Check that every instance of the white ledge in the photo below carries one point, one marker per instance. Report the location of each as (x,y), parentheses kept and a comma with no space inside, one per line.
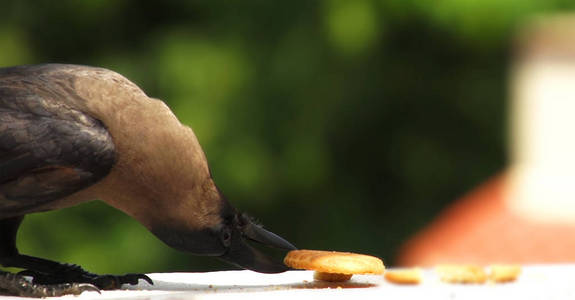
(535,282)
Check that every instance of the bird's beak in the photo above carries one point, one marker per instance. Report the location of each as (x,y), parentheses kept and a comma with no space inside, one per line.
(245,256)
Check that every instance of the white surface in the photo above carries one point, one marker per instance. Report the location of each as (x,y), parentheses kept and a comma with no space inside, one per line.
(535,282)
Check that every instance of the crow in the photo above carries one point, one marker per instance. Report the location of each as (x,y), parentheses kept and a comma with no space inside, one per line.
(71,134)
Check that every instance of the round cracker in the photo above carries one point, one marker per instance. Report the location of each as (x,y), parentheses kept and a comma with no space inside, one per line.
(504,273)
(331,277)
(334,262)
(404,276)
(461,273)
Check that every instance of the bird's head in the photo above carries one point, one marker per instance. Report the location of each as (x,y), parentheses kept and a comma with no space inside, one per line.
(229,239)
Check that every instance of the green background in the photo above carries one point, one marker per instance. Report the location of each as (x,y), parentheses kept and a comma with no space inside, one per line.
(343,125)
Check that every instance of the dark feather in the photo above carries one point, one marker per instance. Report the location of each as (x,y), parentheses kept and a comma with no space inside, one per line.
(48,148)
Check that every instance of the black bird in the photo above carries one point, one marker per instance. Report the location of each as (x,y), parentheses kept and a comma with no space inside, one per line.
(71,134)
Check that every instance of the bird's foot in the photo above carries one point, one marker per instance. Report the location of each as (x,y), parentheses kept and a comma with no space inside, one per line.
(17,285)
(70,274)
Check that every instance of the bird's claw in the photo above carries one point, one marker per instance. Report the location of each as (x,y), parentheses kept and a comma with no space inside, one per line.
(78,275)
(72,289)
(17,285)
(112,282)
(134,278)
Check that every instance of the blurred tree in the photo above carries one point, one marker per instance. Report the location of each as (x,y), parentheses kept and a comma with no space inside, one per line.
(341,125)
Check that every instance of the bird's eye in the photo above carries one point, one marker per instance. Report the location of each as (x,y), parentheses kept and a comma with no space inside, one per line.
(226,236)
(242,220)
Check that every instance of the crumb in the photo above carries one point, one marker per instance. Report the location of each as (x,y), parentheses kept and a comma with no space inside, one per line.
(461,273)
(504,273)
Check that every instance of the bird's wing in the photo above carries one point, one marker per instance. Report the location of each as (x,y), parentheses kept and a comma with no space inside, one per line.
(48,149)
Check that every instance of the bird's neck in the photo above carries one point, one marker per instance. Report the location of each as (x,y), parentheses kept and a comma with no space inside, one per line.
(161,173)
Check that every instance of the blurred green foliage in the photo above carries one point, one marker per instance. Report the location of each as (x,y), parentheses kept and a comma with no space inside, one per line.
(342,125)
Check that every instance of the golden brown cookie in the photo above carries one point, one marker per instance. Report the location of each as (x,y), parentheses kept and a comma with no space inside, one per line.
(334,262)
(461,273)
(333,277)
(504,273)
(404,276)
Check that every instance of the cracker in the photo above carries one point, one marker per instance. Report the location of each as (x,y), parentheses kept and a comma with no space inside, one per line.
(404,276)
(334,262)
(332,277)
(504,273)
(461,273)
